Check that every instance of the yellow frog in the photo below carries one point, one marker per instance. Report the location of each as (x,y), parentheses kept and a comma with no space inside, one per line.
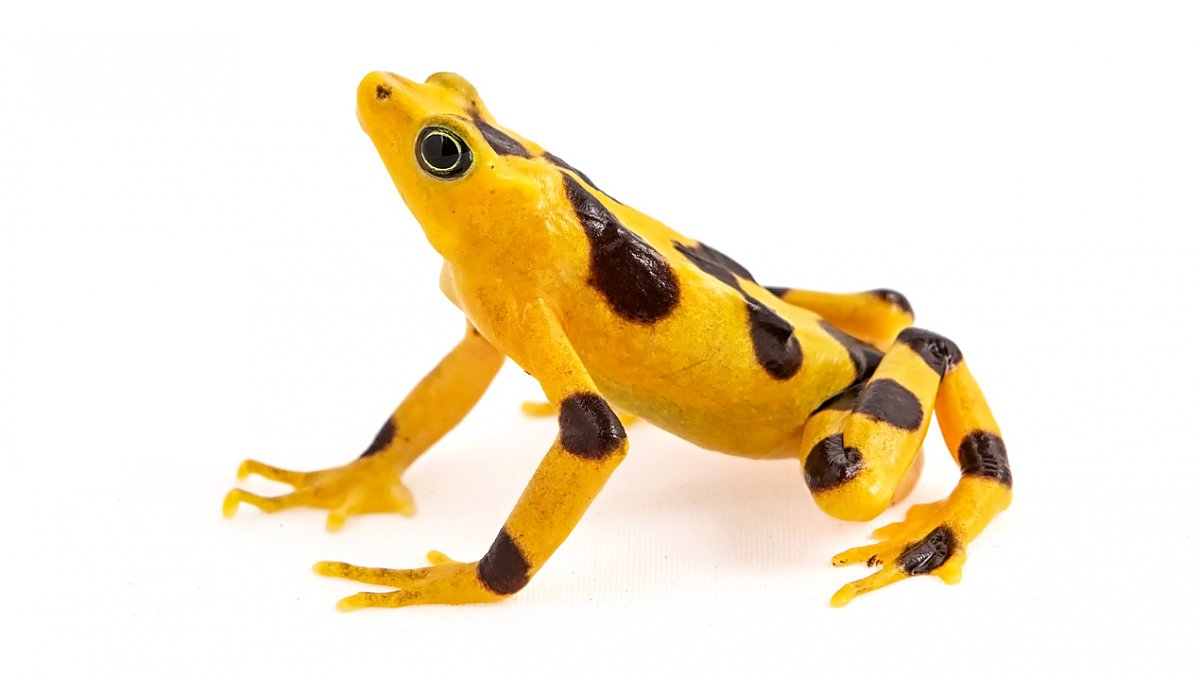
(611,309)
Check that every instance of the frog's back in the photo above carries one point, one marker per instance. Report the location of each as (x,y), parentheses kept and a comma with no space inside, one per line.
(681,334)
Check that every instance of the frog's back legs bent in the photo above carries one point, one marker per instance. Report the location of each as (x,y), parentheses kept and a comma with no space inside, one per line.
(371,483)
(857,451)
(874,316)
(591,443)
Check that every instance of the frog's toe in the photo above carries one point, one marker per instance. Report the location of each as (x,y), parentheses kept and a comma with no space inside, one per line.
(925,543)
(364,486)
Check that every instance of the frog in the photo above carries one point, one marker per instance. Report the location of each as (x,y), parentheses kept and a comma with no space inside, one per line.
(617,315)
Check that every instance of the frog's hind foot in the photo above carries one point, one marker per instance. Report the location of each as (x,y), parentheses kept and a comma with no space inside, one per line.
(923,544)
(860,448)
(367,485)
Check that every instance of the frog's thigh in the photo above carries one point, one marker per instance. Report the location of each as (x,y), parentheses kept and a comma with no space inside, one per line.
(859,451)
(875,316)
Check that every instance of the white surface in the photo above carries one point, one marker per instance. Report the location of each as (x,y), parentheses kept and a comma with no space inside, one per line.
(202,259)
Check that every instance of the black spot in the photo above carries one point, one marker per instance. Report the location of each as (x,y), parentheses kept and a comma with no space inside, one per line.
(830,464)
(843,400)
(634,278)
(588,428)
(501,142)
(864,356)
(503,569)
(894,298)
(778,291)
(382,439)
(888,401)
(929,553)
(383,93)
(562,164)
(938,352)
(775,345)
(983,454)
(714,262)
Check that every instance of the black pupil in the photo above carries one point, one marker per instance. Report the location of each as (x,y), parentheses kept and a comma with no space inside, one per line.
(440,151)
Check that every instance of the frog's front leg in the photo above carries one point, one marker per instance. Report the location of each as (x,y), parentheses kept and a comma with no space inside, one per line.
(859,448)
(591,443)
(371,483)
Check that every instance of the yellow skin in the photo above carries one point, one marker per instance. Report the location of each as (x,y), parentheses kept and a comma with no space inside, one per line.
(610,309)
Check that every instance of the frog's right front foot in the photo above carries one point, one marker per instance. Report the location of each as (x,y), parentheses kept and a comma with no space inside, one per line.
(366,485)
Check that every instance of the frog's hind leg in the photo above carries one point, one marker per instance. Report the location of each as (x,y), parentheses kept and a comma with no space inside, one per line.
(874,316)
(371,483)
(856,459)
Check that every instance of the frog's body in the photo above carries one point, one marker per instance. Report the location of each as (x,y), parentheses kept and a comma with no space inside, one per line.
(603,304)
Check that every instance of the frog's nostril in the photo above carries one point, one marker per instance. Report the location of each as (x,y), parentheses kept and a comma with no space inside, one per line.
(383,92)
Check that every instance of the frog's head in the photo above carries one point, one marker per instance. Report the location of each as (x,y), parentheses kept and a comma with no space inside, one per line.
(462,177)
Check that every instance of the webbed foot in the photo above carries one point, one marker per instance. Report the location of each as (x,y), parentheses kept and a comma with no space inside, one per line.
(446,582)
(926,542)
(367,485)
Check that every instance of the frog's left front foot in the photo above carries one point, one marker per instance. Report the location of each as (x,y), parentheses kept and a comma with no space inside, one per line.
(446,582)
(367,485)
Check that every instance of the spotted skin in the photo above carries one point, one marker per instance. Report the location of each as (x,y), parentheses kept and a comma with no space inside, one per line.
(773,338)
(382,439)
(633,277)
(504,569)
(608,308)
(588,427)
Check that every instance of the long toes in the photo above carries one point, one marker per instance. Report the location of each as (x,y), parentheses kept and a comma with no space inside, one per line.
(251,467)
(882,578)
(440,558)
(872,555)
(267,504)
(536,409)
(888,531)
(375,576)
(376,600)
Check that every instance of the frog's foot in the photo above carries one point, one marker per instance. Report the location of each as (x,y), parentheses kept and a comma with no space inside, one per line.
(446,582)
(926,542)
(541,409)
(367,485)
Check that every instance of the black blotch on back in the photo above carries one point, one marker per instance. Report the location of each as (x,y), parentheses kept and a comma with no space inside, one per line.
(778,291)
(938,352)
(562,164)
(382,439)
(501,142)
(895,298)
(775,345)
(888,401)
(926,555)
(983,454)
(588,428)
(714,262)
(503,569)
(864,356)
(830,463)
(634,278)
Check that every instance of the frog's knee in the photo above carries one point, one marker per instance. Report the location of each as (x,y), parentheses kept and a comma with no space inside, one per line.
(938,352)
(841,483)
(589,428)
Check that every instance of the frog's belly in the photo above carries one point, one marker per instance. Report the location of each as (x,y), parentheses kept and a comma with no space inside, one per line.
(715,400)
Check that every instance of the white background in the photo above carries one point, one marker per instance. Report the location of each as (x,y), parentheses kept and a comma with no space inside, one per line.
(203,259)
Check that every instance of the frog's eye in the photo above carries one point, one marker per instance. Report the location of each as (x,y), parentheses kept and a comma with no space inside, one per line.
(442,152)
